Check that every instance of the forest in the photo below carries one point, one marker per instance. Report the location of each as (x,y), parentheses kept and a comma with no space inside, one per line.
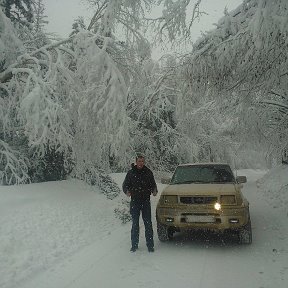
(85,106)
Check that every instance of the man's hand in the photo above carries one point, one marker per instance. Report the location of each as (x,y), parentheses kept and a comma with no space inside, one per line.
(128,194)
(155,191)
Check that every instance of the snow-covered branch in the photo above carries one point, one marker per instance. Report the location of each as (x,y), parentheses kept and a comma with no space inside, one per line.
(241,62)
(13,167)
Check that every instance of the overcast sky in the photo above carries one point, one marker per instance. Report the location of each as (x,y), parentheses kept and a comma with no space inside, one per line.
(62,13)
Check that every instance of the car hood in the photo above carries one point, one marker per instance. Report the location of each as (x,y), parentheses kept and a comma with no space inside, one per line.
(200,189)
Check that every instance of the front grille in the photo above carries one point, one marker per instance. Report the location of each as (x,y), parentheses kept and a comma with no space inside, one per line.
(198,200)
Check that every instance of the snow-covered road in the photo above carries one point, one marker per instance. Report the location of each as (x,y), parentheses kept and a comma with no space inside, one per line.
(187,261)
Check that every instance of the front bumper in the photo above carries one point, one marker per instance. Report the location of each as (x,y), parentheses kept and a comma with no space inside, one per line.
(185,218)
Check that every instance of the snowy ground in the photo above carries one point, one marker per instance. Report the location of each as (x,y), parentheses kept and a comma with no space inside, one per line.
(65,234)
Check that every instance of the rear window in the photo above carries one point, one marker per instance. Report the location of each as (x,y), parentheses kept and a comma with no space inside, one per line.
(203,174)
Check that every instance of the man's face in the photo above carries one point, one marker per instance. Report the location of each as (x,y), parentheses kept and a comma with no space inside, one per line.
(140,163)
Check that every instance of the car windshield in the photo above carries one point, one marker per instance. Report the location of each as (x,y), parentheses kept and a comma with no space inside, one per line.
(202,174)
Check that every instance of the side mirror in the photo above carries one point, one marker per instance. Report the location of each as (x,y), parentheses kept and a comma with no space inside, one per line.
(241,179)
(165,180)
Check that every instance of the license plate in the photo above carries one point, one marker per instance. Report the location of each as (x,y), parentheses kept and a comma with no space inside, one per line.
(200,219)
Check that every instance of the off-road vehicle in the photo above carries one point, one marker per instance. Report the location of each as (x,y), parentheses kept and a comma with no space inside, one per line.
(204,196)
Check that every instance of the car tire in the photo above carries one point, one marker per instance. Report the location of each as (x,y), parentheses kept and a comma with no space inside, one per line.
(164,233)
(245,234)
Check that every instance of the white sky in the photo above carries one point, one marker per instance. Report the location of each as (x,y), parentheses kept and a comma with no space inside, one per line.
(62,13)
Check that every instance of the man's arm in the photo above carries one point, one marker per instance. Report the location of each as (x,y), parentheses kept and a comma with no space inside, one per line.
(126,185)
(154,185)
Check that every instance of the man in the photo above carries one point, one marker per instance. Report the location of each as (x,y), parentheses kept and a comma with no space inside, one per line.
(139,184)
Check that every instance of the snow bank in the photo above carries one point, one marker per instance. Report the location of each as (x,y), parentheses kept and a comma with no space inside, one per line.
(43,223)
(274,186)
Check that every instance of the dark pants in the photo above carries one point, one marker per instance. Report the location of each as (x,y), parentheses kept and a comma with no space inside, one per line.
(136,206)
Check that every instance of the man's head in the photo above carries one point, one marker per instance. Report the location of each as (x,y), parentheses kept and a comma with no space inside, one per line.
(140,161)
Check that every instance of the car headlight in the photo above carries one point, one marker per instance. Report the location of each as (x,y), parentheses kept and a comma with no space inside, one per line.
(217,206)
(171,199)
(227,199)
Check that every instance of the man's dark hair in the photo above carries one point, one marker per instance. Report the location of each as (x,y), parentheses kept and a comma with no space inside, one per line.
(139,157)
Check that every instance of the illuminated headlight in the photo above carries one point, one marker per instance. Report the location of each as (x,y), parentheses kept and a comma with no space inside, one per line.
(169,219)
(171,199)
(217,206)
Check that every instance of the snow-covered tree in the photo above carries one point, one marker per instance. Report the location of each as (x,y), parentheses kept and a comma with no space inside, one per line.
(131,18)
(243,63)
(38,36)
(101,130)
(70,97)
(152,94)
(78,25)
(10,45)
(19,11)
(151,107)
(47,94)
(13,167)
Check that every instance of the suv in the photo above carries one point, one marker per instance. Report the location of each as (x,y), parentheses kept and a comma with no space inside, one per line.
(203,196)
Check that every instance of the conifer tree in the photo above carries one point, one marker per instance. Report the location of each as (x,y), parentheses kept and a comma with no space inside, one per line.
(20,11)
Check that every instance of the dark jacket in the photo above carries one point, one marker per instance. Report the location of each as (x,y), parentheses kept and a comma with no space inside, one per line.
(139,182)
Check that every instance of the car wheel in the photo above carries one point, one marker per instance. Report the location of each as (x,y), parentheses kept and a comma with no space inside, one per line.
(164,233)
(245,234)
